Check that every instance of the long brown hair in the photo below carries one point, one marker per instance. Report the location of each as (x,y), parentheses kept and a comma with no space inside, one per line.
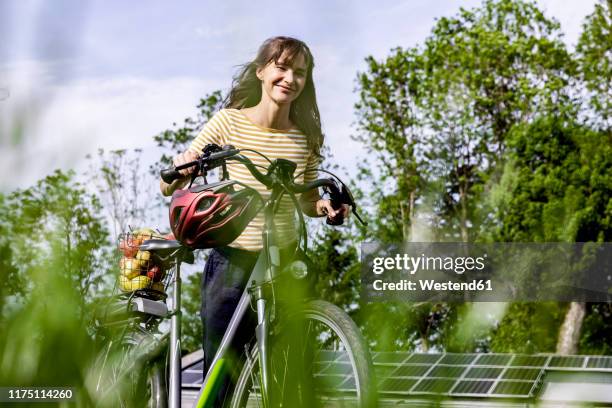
(304,112)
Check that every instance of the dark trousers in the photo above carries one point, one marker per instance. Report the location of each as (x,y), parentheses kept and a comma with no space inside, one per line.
(226,275)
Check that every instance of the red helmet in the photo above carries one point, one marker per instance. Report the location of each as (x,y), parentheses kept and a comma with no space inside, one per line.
(212,215)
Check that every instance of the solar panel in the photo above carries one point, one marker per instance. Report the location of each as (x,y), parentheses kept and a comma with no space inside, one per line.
(384,370)
(396,385)
(513,388)
(567,361)
(484,372)
(447,371)
(473,387)
(423,358)
(410,371)
(424,375)
(458,359)
(389,357)
(528,361)
(494,359)
(599,362)
(522,373)
(434,385)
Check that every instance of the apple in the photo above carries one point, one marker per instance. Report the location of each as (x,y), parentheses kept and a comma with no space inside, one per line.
(143,255)
(140,282)
(124,283)
(130,267)
(155,273)
(127,247)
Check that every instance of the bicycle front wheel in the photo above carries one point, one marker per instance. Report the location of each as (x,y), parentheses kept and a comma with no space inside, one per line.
(324,361)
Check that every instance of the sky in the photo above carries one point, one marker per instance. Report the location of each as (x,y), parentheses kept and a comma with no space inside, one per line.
(76,76)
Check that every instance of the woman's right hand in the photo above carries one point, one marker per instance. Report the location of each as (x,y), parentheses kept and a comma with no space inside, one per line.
(183,158)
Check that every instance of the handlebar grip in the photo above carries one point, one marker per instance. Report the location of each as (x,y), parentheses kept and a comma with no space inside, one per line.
(335,198)
(169,175)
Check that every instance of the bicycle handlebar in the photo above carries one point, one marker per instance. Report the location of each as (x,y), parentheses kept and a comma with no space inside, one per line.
(210,160)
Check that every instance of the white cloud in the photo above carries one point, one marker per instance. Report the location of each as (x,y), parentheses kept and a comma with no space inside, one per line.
(570,14)
(66,121)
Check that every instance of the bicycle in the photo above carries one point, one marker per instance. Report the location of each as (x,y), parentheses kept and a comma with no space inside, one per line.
(278,369)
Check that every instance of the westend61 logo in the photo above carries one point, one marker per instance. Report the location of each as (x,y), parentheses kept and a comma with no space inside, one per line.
(487,272)
(413,264)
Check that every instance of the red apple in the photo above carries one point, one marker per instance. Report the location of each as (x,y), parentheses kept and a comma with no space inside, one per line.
(155,273)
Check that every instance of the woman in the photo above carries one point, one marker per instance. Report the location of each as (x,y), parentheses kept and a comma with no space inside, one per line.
(271,108)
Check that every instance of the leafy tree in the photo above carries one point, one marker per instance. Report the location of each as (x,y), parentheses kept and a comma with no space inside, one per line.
(561,192)
(594,52)
(53,256)
(437,117)
(56,216)
(389,125)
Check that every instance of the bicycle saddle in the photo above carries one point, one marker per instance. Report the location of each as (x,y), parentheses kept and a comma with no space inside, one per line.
(167,248)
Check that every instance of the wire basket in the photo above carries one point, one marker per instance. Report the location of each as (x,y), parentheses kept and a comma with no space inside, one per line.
(140,270)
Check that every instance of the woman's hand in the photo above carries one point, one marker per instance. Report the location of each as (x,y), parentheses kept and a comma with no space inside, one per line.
(324,207)
(183,158)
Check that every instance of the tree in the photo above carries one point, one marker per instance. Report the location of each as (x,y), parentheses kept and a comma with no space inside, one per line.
(561,193)
(54,254)
(594,55)
(389,126)
(436,117)
(56,216)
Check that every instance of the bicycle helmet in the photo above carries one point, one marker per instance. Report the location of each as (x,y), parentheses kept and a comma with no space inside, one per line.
(212,215)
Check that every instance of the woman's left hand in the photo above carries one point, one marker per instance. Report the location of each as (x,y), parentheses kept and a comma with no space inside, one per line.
(324,207)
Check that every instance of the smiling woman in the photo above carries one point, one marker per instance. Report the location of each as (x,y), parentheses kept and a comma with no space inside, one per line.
(271,108)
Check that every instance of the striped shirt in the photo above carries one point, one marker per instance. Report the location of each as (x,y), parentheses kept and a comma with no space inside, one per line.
(231,126)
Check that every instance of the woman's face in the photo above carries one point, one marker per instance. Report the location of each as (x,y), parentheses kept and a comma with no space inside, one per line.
(283,80)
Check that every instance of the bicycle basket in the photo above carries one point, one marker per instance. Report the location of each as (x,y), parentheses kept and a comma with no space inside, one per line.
(138,270)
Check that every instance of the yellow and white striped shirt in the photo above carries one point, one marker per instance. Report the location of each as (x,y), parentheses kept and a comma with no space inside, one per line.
(231,126)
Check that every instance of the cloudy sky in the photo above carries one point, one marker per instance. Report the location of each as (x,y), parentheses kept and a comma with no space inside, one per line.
(76,76)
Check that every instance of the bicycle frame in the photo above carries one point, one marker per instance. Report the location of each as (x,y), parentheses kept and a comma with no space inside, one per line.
(266,268)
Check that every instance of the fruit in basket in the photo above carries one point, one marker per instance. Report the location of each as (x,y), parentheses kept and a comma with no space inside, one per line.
(128,248)
(129,285)
(143,255)
(158,286)
(130,267)
(140,282)
(155,273)
(143,234)
(125,283)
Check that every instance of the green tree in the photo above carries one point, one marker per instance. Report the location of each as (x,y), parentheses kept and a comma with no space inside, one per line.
(560,193)
(54,253)
(436,118)
(594,52)
(56,216)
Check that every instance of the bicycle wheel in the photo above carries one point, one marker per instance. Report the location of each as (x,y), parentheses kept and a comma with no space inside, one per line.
(325,361)
(131,373)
